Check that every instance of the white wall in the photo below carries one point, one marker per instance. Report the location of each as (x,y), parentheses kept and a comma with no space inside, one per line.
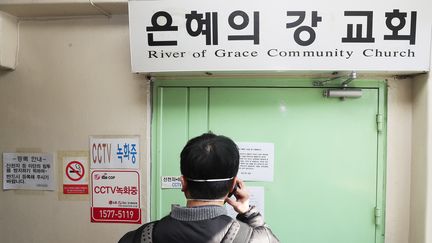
(421,170)
(428,183)
(399,130)
(8,40)
(73,80)
(419,167)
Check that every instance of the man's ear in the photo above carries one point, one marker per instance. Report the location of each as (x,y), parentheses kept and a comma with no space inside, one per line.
(235,181)
(184,183)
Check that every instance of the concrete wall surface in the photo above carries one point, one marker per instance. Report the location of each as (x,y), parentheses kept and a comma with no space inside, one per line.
(73,81)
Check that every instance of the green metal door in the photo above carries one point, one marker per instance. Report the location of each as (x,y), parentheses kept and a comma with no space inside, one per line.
(328,164)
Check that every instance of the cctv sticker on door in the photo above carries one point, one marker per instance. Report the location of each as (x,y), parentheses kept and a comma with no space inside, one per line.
(115,196)
(170,182)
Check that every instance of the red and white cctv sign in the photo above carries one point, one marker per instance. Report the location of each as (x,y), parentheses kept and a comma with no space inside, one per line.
(116,196)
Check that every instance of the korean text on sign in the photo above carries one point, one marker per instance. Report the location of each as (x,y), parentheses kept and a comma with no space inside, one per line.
(207,24)
(115,196)
(31,171)
(114,152)
(246,36)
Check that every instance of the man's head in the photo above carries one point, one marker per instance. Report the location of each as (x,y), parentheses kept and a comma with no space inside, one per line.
(209,157)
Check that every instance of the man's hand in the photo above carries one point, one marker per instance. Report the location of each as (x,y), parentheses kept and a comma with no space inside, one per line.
(241,204)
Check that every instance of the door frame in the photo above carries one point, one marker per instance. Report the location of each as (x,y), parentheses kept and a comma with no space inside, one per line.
(275,82)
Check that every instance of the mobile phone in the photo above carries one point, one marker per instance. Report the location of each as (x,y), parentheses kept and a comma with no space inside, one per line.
(234,190)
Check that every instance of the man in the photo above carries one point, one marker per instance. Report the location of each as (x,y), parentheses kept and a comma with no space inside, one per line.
(209,166)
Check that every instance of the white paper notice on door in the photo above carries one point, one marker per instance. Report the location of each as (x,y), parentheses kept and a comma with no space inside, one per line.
(256,199)
(256,161)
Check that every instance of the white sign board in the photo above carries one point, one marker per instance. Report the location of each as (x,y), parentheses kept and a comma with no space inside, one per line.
(30,171)
(171,182)
(114,152)
(206,35)
(256,161)
(116,196)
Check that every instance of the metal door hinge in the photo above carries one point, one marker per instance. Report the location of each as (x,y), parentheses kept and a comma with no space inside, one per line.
(378,215)
(380,122)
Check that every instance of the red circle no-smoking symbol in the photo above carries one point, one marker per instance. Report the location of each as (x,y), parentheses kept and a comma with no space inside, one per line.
(75,170)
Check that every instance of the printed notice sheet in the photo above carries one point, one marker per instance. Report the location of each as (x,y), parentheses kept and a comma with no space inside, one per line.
(30,171)
(256,161)
(256,199)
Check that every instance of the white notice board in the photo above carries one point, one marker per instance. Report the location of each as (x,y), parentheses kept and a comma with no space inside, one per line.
(256,161)
(30,171)
(116,196)
(248,35)
(114,152)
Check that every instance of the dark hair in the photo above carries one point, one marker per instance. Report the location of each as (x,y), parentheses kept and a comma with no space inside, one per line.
(205,157)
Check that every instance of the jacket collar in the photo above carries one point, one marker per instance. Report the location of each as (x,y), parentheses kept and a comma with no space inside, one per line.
(197,213)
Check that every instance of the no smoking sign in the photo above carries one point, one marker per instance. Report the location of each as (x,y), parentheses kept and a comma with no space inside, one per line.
(75,178)
(75,170)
